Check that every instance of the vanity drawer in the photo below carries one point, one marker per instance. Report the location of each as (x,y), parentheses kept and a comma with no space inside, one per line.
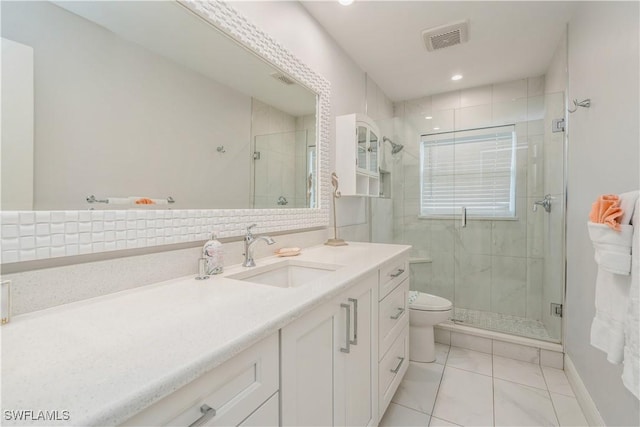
(392,273)
(234,390)
(394,315)
(392,369)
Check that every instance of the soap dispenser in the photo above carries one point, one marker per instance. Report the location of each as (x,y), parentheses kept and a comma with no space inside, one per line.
(213,253)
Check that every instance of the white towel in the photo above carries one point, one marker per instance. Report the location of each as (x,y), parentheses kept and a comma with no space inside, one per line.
(628,203)
(631,371)
(613,255)
(612,248)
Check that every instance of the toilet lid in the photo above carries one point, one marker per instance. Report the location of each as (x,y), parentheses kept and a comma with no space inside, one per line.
(428,302)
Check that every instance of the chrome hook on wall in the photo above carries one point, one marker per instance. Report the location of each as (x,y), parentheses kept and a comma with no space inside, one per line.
(585,103)
(220,149)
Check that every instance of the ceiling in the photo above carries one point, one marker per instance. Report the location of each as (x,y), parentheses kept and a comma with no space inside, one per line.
(507,41)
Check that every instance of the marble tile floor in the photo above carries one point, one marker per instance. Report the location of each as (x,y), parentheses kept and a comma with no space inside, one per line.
(502,323)
(468,388)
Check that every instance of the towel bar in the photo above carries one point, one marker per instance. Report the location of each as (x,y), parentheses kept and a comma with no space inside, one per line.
(93,199)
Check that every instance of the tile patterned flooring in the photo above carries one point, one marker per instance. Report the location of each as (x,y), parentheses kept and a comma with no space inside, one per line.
(502,323)
(468,388)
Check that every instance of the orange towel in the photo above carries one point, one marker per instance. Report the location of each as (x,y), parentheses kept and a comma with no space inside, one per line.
(606,210)
(145,201)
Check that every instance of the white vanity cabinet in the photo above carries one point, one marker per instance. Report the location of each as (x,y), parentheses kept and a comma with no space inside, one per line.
(241,392)
(358,143)
(329,361)
(393,329)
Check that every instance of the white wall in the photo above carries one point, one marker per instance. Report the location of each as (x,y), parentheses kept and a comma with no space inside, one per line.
(603,158)
(110,114)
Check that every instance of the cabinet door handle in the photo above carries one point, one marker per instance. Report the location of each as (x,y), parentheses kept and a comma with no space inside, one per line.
(347,349)
(207,413)
(398,314)
(397,273)
(395,371)
(355,321)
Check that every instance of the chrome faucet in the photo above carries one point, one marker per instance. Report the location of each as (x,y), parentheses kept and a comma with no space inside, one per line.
(249,240)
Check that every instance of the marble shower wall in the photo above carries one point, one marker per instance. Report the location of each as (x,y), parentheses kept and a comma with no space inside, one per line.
(490,265)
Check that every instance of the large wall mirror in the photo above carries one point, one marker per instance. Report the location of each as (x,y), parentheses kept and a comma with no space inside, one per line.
(115,110)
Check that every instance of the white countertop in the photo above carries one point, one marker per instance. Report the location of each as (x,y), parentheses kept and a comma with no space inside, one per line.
(107,358)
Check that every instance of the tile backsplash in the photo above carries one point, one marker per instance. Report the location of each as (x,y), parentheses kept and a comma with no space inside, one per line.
(29,235)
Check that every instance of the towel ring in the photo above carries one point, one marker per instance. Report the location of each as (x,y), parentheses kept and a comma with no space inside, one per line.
(585,103)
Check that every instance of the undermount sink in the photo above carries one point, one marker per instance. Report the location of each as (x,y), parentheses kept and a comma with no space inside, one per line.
(286,274)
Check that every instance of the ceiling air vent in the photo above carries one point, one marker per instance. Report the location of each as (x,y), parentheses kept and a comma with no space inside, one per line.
(446,35)
(283,78)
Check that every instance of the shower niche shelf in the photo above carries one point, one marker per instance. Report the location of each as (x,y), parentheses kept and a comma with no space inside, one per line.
(358,155)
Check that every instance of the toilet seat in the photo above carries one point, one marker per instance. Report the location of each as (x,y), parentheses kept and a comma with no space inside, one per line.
(427,302)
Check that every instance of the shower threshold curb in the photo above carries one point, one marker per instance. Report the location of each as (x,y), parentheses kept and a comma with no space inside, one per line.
(500,336)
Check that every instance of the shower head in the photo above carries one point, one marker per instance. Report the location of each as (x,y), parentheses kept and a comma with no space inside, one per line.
(395,148)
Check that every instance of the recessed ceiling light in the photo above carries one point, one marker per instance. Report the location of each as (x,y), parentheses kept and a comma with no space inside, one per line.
(428,117)
(456,77)
(345,2)
(436,128)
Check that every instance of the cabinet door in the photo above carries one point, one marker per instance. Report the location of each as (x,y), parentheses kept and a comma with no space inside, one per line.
(360,375)
(268,415)
(362,147)
(308,347)
(374,144)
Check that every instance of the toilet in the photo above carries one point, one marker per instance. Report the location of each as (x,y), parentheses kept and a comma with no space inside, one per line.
(425,311)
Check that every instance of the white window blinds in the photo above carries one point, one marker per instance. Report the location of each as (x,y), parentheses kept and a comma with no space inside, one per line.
(474,169)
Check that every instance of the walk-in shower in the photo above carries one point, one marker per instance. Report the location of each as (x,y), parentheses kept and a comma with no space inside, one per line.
(463,192)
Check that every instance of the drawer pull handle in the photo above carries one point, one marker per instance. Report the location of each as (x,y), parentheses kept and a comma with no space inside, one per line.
(355,321)
(398,314)
(347,349)
(395,371)
(397,273)
(207,413)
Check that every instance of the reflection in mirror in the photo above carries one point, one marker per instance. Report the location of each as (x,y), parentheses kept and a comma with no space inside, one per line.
(130,101)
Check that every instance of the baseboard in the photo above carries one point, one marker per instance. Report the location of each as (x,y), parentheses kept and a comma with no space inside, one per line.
(582,394)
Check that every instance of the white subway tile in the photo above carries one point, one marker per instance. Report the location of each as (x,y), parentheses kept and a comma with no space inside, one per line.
(43,229)
(27,230)
(43,253)
(9,231)
(10,218)
(58,251)
(28,242)
(9,256)
(27,218)
(27,254)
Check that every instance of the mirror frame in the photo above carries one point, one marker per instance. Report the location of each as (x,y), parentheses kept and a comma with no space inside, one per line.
(38,235)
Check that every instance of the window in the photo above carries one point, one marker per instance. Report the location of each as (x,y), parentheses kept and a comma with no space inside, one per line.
(474,169)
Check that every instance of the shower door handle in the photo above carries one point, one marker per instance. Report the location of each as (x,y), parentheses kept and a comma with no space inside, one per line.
(463,216)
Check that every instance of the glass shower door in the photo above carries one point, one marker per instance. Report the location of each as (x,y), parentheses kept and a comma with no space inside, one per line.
(504,277)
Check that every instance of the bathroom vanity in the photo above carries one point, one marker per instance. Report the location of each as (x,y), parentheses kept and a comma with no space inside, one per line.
(232,350)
